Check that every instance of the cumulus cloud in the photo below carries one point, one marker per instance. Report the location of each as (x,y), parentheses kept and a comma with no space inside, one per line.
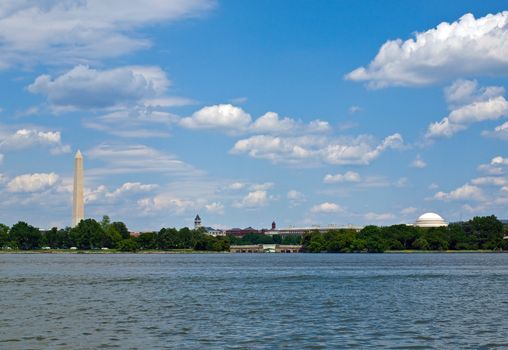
(165,202)
(349,176)
(74,31)
(253,199)
(499,161)
(215,208)
(469,104)
(225,116)
(490,181)
(26,138)
(450,50)
(326,208)
(499,132)
(295,198)
(85,88)
(418,162)
(32,182)
(316,149)
(466,192)
(234,120)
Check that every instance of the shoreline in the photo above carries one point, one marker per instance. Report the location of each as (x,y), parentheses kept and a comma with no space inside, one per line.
(191,251)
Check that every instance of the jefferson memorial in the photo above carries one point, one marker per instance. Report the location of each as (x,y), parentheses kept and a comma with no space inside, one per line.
(430,220)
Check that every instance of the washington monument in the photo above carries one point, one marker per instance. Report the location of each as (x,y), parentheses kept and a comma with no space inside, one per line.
(78,206)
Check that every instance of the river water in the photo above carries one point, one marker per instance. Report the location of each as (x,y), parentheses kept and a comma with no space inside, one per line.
(253,301)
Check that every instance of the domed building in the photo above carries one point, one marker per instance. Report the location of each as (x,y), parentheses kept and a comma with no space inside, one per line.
(430,220)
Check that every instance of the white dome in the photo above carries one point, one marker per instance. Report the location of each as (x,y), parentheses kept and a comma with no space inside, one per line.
(430,220)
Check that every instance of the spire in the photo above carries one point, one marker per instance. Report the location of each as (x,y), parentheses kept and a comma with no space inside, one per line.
(78,154)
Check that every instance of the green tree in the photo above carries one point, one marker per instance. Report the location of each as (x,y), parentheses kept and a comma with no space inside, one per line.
(88,234)
(105,222)
(128,245)
(122,229)
(4,235)
(25,236)
(421,244)
(147,240)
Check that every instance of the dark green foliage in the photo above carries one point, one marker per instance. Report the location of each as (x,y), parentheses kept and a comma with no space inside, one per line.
(88,234)
(25,236)
(128,245)
(171,238)
(4,235)
(147,240)
(257,238)
(479,233)
(122,229)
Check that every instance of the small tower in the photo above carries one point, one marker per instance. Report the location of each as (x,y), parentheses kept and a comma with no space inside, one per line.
(274,226)
(197,222)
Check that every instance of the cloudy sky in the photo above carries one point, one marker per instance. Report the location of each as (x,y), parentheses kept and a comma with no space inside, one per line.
(245,112)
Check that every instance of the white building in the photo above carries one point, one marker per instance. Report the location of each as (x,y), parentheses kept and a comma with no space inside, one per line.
(430,220)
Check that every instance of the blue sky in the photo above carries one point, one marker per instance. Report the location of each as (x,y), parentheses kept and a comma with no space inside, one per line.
(302,112)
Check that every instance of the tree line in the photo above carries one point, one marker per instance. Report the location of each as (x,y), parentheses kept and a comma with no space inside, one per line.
(479,233)
(91,234)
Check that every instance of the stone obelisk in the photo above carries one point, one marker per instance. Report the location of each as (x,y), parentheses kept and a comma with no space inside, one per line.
(78,205)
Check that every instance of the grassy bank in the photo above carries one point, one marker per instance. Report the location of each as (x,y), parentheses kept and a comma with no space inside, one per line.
(109,251)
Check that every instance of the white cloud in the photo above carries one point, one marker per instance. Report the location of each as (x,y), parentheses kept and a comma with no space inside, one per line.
(131,187)
(326,208)
(236,186)
(355,109)
(85,88)
(137,122)
(316,149)
(253,199)
(378,216)
(466,192)
(408,210)
(120,158)
(225,117)
(499,161)
(32,182)
(418,162)
(349,176)
(1,158)
(215,208)
(165,202)
(295,198)
(26,138)
(499,132)
(73,31)
(233,120)
(261,187)
(490,181)
(469,104)
(465,47)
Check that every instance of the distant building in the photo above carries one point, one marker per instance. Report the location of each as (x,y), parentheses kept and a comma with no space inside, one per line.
(214,232)
(265,248)
(300,231)
(238,232)
(197,222)
(430,220)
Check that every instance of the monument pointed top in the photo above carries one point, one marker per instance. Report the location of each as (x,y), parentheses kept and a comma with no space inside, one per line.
(78,154)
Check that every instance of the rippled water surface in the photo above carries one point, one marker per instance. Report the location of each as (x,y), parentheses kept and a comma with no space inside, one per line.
(254,301)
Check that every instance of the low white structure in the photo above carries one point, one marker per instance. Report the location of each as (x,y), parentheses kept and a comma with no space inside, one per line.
(430,220)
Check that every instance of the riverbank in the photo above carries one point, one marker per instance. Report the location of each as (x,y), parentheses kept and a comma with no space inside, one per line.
(108,251)
(192,251)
